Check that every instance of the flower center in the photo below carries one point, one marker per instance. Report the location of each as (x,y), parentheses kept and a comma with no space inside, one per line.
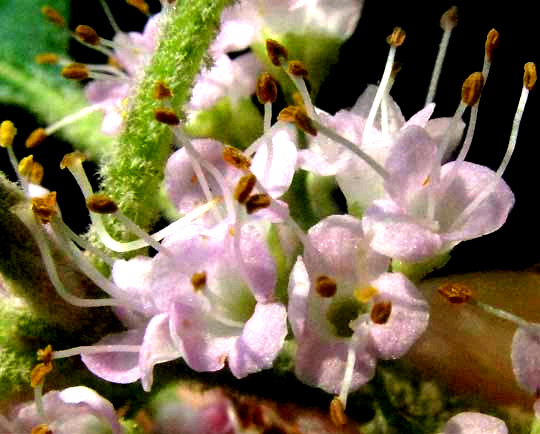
(340,314)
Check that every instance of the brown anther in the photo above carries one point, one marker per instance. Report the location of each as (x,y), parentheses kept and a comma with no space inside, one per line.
(276,52)
(53,16)
(266,89)
(492,43)
(113,61)
(449,19)
(87,34)
(397,37)
(35,138)
(31,170)
(234,157)
(337,412)
(472,88)
(101,204)
(166,116)
(257,202)
(75,71)
(71,159)
(396,67)
(161,91)
(297,68)
(455,293)
(46,59)
(198,280)
(529,77)
(244,187)
(44,207)
(41,429)
(7,133)
(380,312)
(141,5)
(45,355)
(297,116)
(39,372)
(325,286)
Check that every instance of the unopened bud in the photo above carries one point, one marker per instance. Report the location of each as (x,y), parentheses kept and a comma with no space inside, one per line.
(297,68)
(337,412)
(257,202)
(299,117)
(397,37)
(455,293)
(44,207)
(161,91)
(7,133)
(35,138)
(492,43)
(53,16)
(101,204)
(325,286)
(449,19)
(380,312)
(166,116)
(234,157)
(276,52)
(472,88)
(244,187)
(87,34)
(46,59)
(529,77)
(266,88)
(75,71)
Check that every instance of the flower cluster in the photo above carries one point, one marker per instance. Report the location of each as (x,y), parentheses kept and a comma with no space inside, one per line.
(236,276)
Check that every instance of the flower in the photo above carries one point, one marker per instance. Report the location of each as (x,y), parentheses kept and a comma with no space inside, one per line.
(474,423)
(70,411)
(346,311)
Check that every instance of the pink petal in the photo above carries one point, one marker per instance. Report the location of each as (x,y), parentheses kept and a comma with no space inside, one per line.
(526,358)
(475,423)
(299,285)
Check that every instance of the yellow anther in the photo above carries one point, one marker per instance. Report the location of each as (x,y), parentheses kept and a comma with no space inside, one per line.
(325,286)
(39,372)
(380,312)
(166,116)
(449,19)
(365,294)
(161,91)
(397,37)
(35,138)
(472,88)
(492,43)
(41,429)
(71,159)
(198,280)
(529,77)
(266,89)
(31,170)
(244,187)
(297,68)
(45,355)
(75,71)
(337,412)
(456,293)
(46,59)
(87,34)
(276,52)
(257,202)
(7,133)
(44,207)
(297,116)
(141,5)
(101,204)
(234,157)
(53,16)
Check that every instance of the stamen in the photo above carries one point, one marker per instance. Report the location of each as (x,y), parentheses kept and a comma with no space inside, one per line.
(472,89)
(337,412)
(244,187)
(347,376)
(39,372)
(492,43)
(41,429)
(236,158)
(75,71)
(110,17)
(380,312)
(257,202)
(141,5)
(45,355)
(44,208)
(101,204)
(297,68)
(325,286)
(7,134)
(365,294)
(166,116)
(31,170)
(46,59)
(266,89)
(297,116)
(276,52)
(161,91)
(87,34)
(449,21)
(53,16)
(74,117)
(35,138)
(456,293)
(96,349)
(198,280)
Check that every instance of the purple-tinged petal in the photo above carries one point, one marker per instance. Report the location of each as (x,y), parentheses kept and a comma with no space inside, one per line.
(439,131)
(526,358)
(421,118)
(117,367)
(157,347)
(261,340)
(299,285)
(408,319)
(134,278)
(395,234)
(475,423)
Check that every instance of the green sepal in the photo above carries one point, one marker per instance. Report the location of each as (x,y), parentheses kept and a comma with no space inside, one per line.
(416,271)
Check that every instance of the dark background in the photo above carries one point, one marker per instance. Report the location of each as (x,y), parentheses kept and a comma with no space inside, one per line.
(361,62)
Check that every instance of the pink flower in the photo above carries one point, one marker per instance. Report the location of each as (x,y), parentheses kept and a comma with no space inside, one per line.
(474,423)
